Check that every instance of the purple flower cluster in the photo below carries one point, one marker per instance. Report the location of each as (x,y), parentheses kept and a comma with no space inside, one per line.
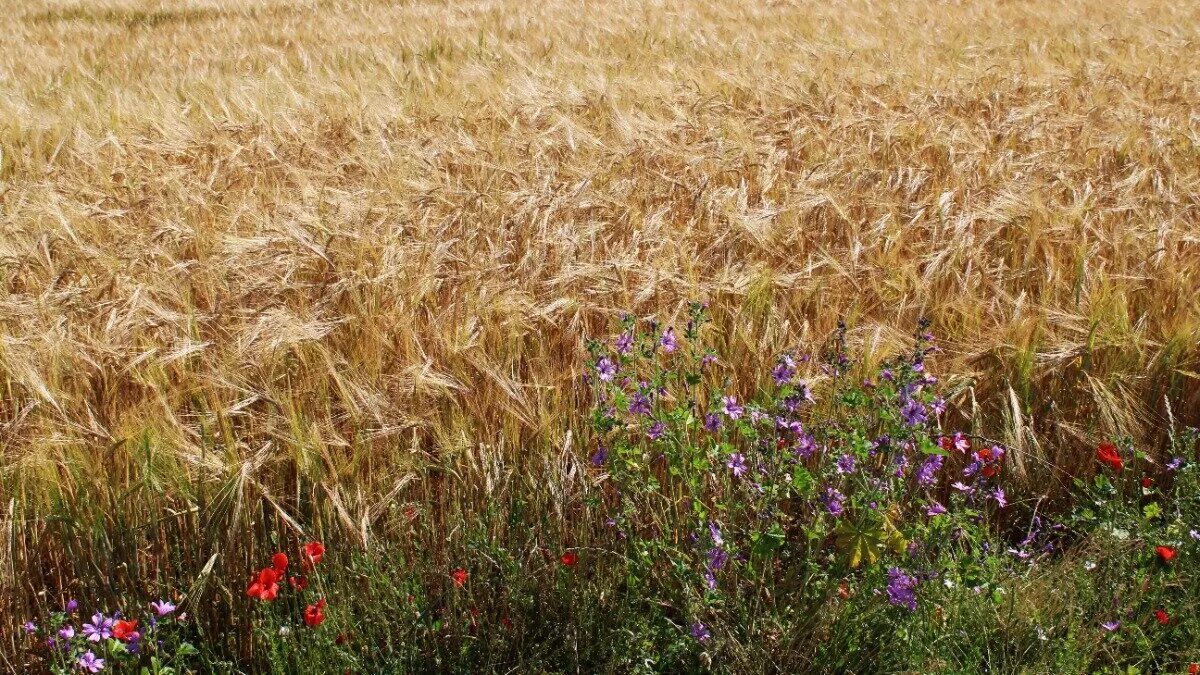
(640,405)
(902,589)
(784,370)
(834,502)
(806,446)
(846,464)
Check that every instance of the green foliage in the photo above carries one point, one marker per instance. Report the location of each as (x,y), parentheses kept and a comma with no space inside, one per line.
(819,520)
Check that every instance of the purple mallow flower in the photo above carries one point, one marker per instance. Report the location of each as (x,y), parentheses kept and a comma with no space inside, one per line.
(806,445)
(655,431)
(914,413)
(640,404)
(845,464)
(998,495)
(833,502)
(606,369)
(935,509)
(927,473)
(715,533)
(700,632)
(1175,464)
(939,405)
(30,627)
(99,629)
(668,341)
(731,408)
(784,371)
(624,343)
(961,442)
(737,463)
(712,423)
(72,605)
(66,632)
(599,456)
(162,607)
(91,663)
(789,425)
(1110,626)
(901,589)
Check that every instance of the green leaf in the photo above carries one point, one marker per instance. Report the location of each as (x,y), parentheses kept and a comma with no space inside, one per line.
(766,543)
(928,447)
(859,543)
(802,481)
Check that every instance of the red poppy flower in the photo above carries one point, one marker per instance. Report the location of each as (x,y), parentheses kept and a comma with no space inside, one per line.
(299,583)
(1146,482)
(265,586)
(1162,617)
(1194,669)
(314,550)
(1107,453)
(984,455)
(314,615)
(946,443)
(1166,553)
(569,558)
(990,470)
(460,577)
(279,562)
(342,639)
(124,630)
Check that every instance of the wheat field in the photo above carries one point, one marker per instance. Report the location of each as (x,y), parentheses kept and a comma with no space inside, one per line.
(247,243)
